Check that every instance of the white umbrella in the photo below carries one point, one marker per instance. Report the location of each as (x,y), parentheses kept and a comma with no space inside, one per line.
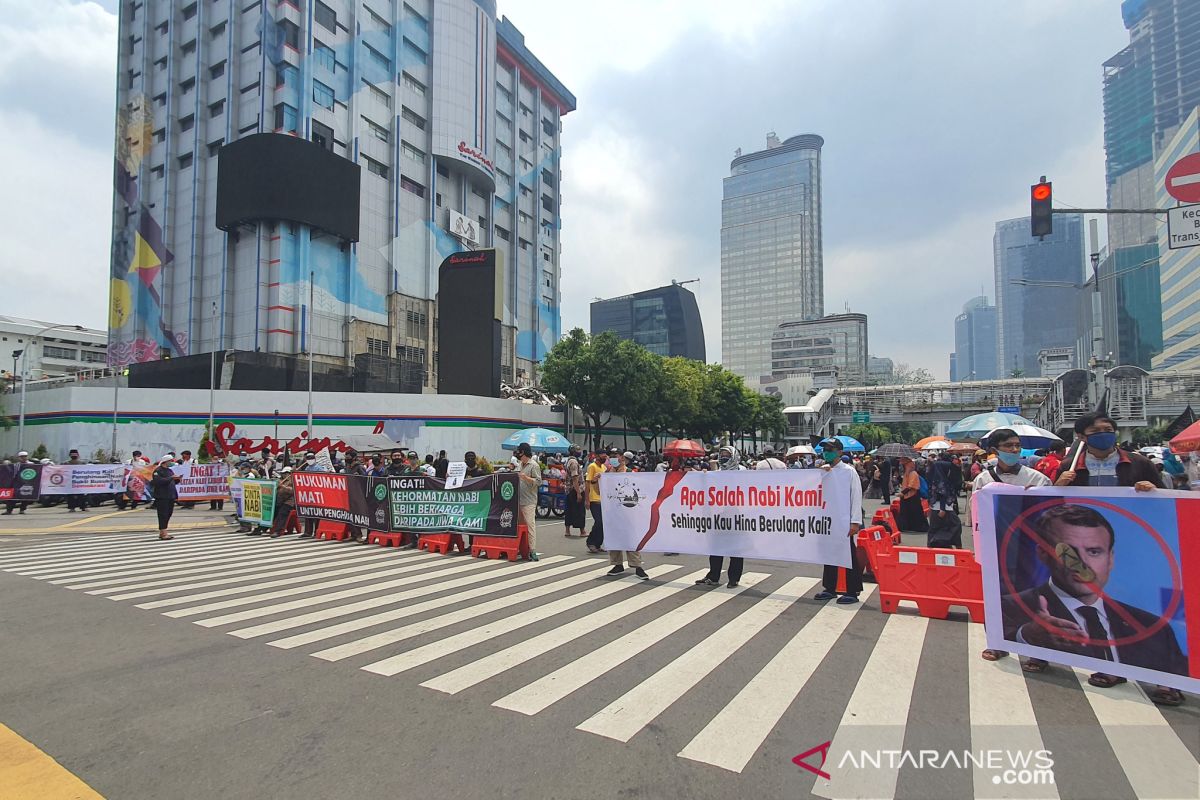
(936,447)
(1032,437)
(801,450)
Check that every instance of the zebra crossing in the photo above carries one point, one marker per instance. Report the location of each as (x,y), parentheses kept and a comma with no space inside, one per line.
(457,624)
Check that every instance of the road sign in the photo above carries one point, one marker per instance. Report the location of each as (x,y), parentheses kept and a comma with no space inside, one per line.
(860,417)
(1183,179)
(1009,410)
(1183,227)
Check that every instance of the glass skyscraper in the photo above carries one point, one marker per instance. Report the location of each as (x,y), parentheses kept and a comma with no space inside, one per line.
(665,320)
(1037,290)
(837,342)
(974,356)
(771,267)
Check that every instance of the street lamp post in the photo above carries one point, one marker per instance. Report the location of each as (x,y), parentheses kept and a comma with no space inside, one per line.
(212,371)
(16,354)
(25,376)
(309,345)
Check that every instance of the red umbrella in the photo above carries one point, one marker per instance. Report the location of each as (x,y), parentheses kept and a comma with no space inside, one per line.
(684,448)
(1188,441)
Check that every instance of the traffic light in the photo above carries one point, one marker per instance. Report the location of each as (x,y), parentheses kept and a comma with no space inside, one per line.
(1041,198)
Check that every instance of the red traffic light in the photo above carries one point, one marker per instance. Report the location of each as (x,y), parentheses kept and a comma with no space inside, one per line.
(1041,191)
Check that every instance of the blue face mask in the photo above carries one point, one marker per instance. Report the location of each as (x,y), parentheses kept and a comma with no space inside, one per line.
(1008,459)
(1102,441)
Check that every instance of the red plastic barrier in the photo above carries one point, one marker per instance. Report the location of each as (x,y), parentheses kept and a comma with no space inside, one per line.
(443,543)
(884,516)
(385,539)
(508,547)
(934,578)
(327,529)
(871,541)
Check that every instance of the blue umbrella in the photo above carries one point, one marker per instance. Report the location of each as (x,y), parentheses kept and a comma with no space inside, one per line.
(977,426)
(542,440)
(849,445)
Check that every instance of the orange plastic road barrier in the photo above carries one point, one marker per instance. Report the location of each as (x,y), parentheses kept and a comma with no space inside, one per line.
(934,578)
(327,529)
(883,516)
(508,547)
(385,539)
(443,543)
(871,541)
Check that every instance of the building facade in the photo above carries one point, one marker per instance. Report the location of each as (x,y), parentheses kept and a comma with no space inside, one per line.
(833,346)
(452,122)
(1037,289)
(665,321)
(974,357)
(1180,276)
(47,349)
(771,261)
(879,370)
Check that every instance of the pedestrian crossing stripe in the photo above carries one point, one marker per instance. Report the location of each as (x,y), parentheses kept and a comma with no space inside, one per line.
(336,603)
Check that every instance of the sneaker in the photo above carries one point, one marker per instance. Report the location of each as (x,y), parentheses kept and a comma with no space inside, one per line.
(641,573)
(823,595)
(70,511)
(707,581)
(847,599)
(616,570)
(732,585)
(305,536)
(533,556)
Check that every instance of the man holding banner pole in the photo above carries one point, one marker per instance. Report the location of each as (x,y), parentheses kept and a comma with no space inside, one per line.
(831,452)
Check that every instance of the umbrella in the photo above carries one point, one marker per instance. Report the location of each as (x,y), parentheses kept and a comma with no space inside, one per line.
(896,450)
(542,440)
(1188,441)
(1032,437)
(684,448)
(936,447)
(976,426)
(963,448)
(849,445)
(928,440)
(801,450)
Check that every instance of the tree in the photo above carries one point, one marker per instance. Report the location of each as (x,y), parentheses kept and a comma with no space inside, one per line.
(871,435)
(768,417)
(1151,435)
(202,456)
(1016,372)
(907,374)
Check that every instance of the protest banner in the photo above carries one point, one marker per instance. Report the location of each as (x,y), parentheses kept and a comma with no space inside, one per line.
(787,515)
(486,505)
(202,481)
(254,500)
(137,481)
(20,482)
(356,500)
(1106,580)
(83,479)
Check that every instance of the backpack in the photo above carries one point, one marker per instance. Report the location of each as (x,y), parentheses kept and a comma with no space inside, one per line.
(924,488)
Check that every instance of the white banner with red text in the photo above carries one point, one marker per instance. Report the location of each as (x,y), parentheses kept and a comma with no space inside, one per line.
(83,478)
(784,515)
(202,481)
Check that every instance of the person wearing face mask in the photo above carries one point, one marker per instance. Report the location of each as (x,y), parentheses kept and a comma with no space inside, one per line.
(831,454)
(728,458)
(1095,460)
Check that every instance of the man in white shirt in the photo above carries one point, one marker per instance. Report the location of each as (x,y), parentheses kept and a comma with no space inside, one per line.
(831,452)
(769,461)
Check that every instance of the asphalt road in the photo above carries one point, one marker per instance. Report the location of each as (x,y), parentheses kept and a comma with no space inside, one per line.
(223,666)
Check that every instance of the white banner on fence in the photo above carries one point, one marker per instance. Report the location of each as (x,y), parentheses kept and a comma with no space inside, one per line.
(786,515)
(202,481)
(83,479)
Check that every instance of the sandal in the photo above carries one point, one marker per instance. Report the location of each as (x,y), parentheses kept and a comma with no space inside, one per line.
(1035,665)
(993,655)
(164,538)
(1166,696)
(1104,681)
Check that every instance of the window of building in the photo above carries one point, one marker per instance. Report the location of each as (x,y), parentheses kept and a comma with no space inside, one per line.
(322,95)
(187,85)
(409,185)
(548,127)
(185,160)
(54,351)
(524,243)
(442,171)
(523,218)
(325,16)
(94,357)
(291,33)
(378,21)
(189,11)
(377,347)
(412,118)
(410,152)
(216,109)
(215,147)
(378,94)
(324,56)
(322,135)
(525,110)
(157,172)
(376,168)
(252,126)
(160,135)
(413,16)
(186,123)
(161,28)
(501,233)
(438,199)
(160,99)
(482,222)
(251,88)
(285,75)
(524,137)
(415,53)
(415,324)
(161,64)
(525,190)
(216,70)
(413,84)
(285,118)
(250,6)
(377,130)
(216,30)
(378,59)
(188,47)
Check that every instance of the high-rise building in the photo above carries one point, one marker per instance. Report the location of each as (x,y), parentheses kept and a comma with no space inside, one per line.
(975,342)
(879,370)
(1150,87)
(1037,288)
(833,346)
(771,265)
(451,130)
(665,320)
(1180,282)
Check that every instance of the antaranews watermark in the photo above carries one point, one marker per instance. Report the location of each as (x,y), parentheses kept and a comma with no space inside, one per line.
(1008,767)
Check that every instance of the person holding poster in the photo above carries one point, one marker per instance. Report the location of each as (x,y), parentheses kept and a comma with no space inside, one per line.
(595,539)
(530,475)
(728,458)
(162,485)
(831,452)
(619,463)
(75,501)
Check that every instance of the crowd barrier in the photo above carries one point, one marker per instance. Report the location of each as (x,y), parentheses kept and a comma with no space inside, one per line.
(871,541)
(934,578)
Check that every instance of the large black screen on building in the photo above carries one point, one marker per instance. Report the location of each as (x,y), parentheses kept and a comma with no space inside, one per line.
(271,176)
(469,325)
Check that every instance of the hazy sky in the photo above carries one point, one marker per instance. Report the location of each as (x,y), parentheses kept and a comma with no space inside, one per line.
(936,115)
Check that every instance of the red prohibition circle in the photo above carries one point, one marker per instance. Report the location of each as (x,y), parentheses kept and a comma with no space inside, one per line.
(1145,633)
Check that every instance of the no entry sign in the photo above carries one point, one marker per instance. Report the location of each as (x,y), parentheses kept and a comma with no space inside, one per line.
(1183,179)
